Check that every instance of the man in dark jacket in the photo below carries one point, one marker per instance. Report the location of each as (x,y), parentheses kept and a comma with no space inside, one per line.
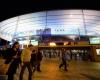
(13,58)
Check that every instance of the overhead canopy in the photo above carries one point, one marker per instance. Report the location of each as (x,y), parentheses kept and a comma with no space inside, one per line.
(56,22)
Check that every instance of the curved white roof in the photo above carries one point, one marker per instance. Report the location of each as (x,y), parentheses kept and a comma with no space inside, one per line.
(61,22)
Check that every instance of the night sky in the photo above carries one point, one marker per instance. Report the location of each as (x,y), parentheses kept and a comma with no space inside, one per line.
(12,8)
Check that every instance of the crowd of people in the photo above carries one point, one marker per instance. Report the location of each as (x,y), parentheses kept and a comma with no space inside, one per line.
(30,57)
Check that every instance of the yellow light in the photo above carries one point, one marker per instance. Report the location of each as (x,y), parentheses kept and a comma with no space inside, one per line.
(65,43)
(52,44)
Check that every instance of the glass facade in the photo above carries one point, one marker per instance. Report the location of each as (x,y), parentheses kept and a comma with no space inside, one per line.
(56,22)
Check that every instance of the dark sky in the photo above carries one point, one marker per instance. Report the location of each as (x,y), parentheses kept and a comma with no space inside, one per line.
(14,8)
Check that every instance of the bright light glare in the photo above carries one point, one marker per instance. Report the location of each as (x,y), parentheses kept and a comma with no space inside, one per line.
(52,44)
(98,51)
(34,42)
(24,42)
(72,37)
(65,43)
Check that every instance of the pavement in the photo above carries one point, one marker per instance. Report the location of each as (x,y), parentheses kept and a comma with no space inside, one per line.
(77,70)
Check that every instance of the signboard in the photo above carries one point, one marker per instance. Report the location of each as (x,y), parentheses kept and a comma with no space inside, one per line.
(95,40)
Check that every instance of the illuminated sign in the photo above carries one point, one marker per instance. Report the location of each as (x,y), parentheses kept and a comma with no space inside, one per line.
(34,42)
(95,40)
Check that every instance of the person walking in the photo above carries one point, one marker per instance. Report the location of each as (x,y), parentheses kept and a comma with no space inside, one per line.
(25,58)
(33,60)
(64,60)
(13,58)
(39,59)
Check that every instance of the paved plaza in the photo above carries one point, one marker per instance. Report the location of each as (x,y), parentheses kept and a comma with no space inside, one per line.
(78,70)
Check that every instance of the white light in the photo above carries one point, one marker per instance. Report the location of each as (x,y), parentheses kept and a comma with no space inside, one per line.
(34,42)
(70,16)
(98,51)
(24,42)
(72,37)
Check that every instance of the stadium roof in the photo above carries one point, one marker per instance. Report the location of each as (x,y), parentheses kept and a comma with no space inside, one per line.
(59,22)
